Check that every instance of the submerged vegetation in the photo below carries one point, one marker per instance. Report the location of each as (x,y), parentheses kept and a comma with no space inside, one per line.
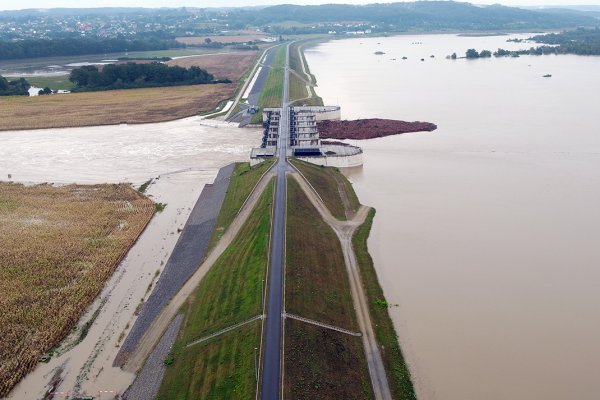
(58,246)
(581,41)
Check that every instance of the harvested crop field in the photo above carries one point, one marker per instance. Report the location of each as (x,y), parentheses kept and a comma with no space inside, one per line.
(222,66)
(317,285)
(58,246)
(220,38)
(111,107)
(324,364)
(370,128)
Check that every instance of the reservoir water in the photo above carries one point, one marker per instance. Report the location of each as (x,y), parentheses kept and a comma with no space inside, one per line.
(487,235)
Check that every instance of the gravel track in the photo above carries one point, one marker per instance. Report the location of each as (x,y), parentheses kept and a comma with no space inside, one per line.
(147,383)
(187,256)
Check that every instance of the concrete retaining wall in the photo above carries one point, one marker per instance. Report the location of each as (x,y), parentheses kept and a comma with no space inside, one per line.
(335,161)
(324,112)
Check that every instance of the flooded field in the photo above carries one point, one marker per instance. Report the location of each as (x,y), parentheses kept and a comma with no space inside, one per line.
(183,155)
(487,229)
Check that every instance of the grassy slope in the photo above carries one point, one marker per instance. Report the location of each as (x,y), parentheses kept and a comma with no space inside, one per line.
(297,88)
(319,363)
(397,370)
(325,181)
(231,292)
(243,180)
(272,91)
(296,59)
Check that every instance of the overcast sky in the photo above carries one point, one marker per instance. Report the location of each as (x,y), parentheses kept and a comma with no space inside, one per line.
(16,5)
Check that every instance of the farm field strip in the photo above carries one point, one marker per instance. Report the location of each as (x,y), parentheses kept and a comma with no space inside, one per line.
(132,106)
(59,245)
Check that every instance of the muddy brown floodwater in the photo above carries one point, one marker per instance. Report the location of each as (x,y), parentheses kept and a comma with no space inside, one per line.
(487,229)
(185,156)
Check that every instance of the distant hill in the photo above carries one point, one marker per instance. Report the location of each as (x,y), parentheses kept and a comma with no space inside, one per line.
(58,12)
(419,16)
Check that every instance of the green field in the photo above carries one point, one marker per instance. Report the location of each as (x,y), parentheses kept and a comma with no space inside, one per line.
(231,292)
(333,187)
(395,365)
(243,180)
(54,82)
(319,363)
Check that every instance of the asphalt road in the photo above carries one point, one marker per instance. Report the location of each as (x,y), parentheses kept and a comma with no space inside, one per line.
(244,117)
(271,378)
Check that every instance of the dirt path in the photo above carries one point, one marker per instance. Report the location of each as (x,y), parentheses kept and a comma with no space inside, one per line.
(345,230)
(162,321)
(350,213)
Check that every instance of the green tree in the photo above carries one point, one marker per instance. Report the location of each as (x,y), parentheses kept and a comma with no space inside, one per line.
(472,53)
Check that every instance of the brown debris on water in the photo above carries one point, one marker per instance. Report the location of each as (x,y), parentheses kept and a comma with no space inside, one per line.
(370,128)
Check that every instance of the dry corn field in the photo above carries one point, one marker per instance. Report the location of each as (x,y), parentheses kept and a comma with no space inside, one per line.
(227,65)
(111,107)
(58,247)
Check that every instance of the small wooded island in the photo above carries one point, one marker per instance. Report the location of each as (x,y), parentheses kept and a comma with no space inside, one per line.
(370,128)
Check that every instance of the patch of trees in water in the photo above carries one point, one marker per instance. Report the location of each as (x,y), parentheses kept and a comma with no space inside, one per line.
(132,75)
(581,41)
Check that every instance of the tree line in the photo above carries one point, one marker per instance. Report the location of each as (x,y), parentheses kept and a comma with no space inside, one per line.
(34,48)
(19,87)
(581,41)
(132,75)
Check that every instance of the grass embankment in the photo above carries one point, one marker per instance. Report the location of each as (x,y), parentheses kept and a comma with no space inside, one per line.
(243,179)
(395,365)
(297,59)
(297,89)
(333,187)
(58,247)
(231,292)
(319,363)
(272,91)
(110,107)
(54,82)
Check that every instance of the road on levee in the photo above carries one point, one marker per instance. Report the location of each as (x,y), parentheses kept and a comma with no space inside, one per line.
(271,378)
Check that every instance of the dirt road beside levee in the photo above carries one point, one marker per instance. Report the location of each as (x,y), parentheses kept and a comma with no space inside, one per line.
(345,230)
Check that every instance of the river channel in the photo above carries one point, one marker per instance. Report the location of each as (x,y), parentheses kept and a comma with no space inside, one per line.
(488,229)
